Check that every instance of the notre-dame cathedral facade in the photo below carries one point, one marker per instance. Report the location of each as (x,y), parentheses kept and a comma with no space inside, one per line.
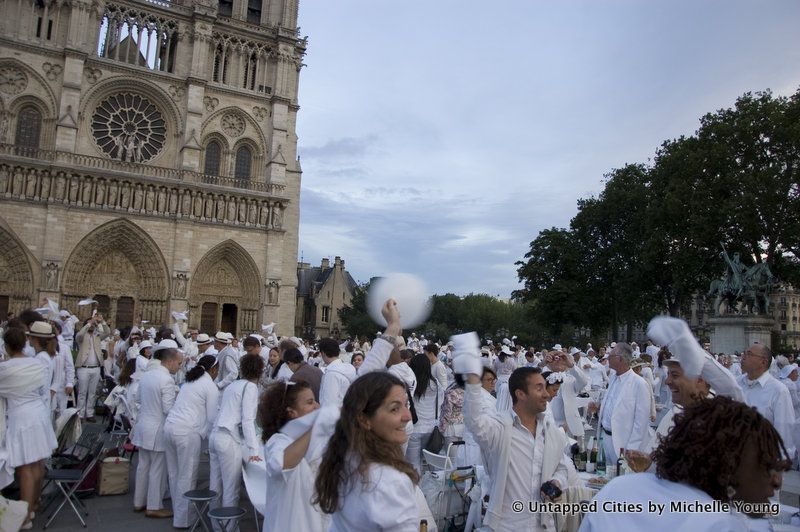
(148,159)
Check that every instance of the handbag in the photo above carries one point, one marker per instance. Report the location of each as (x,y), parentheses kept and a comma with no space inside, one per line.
(114,476)
(411,407)
(436,439)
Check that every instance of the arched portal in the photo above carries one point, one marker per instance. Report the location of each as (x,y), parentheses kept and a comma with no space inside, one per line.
(121,267)
(16,275)
(225,291)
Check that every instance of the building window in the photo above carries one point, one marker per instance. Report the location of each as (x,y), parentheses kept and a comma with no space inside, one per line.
(254,11)
(244,159)
(326,314)
(220,73)
(213,151)
(225,8)
(128,127)
(29,127)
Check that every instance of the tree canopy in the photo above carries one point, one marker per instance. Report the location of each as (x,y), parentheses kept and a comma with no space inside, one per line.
(651,239)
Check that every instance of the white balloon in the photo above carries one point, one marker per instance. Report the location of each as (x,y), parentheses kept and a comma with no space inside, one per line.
(411,294)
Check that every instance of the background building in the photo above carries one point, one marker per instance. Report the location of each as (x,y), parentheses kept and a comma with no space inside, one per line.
(148,158)
(321,293)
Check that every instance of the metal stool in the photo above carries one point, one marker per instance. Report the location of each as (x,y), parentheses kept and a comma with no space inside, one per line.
(227,516)
(200,499)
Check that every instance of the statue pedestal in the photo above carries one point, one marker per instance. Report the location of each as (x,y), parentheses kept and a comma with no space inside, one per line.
(738,332)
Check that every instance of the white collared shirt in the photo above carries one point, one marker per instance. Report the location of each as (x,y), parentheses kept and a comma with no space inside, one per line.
(773,401)
(613,396)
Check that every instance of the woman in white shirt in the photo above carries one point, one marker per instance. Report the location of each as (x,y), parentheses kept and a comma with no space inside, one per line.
(426,403)
(189,421)
(27,433)
(290,478)
(277,369)
(364,480)
(235,426)
(114,400)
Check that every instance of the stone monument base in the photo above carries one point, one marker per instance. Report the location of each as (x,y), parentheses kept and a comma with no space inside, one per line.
(734,333)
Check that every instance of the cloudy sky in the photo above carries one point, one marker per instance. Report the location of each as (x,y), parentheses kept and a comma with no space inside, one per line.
(438,137)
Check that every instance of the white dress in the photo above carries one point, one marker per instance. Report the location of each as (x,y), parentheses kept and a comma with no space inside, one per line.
(29,434)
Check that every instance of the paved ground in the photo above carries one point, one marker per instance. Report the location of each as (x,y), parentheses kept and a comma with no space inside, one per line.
(115,512)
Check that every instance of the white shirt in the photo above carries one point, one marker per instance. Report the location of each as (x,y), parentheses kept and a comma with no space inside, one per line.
(426,407)
(290,491)
(195,408)
(141,364)
(641,488)
(335,382)
(612,397)
(773,401)
(64,368)
(237,413)
(439,371)
(386,502)
(524,469)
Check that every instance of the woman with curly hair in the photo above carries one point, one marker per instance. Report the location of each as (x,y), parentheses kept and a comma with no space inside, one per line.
(364,480)
(719,453)
(289,475)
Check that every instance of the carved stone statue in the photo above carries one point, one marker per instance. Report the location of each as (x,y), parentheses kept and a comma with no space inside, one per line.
(30,183)
(277,216)
(150,199)
(61,184)
(100,192)
(44,193)
(209,204)
(138,198)
(243,211)
(220,208)
(180,285)
(198,205)
(18,182)
(4,173)
(161,203)
(125,195)
(173,201)
(231,210)
(186,203)
(74,188)
(51,276)
(86,191)
(252,214)
(112,195)
(272,292)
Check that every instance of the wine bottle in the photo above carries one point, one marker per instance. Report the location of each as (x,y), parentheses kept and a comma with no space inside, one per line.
(423,525)
(620,458)
(600,467)
(581,464)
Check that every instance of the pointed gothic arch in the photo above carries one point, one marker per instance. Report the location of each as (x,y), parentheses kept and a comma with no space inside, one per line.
(120,261)
(225,290)
(16,274)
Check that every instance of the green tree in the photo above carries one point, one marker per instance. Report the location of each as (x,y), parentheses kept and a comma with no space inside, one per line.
(355,319)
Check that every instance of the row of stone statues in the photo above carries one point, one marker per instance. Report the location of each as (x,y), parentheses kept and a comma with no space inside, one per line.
(92,191)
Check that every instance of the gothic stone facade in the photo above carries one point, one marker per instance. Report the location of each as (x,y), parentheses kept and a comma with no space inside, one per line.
(321,293)
(148,158)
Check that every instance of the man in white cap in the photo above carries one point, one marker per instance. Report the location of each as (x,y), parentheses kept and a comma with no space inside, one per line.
(227,359)
(157,393)
(624,416)
(87,363)
(67,321)
(564,405)
(766,393)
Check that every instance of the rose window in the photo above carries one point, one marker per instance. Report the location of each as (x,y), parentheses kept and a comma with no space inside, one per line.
(127,127)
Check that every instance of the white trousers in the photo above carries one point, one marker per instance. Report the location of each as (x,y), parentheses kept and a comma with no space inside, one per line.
(151,476)
(183,459)
(414,449)
(87,390)
(225,458)
(609,452)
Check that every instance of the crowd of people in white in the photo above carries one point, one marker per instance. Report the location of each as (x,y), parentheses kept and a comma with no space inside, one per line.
(341,427)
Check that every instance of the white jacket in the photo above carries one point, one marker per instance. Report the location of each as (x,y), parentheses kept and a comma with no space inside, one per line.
(630,420)
(156,396)
(335,382)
